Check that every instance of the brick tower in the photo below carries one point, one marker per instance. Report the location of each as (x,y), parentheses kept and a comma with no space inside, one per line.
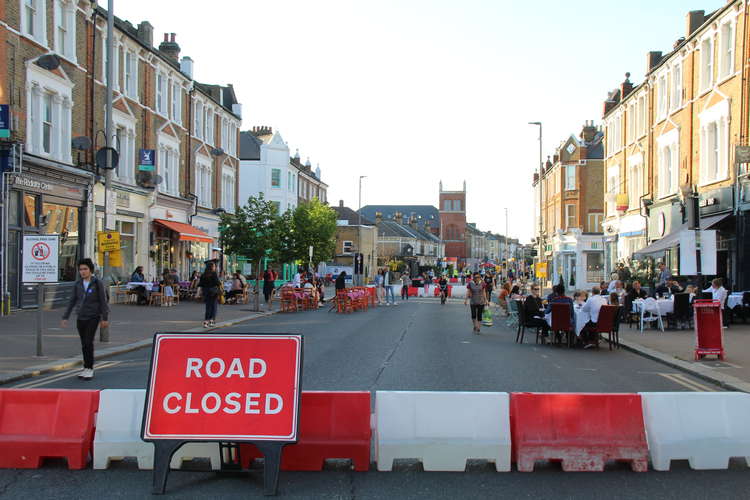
(453,222)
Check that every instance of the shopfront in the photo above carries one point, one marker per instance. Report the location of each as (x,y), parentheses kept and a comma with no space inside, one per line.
(40,204)
(665,222)
(578,260)
(180,246)
(715,208)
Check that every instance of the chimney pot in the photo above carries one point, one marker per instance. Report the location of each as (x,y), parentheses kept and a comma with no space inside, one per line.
(341,203)
(171,37)
(166,37)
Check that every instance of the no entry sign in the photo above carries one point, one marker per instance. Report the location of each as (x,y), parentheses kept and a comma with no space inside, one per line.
(230,387)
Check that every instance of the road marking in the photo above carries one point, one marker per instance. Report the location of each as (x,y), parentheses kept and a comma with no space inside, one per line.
(465,342)
(545,356)
(63,375)
(682,380)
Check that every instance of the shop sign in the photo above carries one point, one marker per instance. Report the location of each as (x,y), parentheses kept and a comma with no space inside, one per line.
(123,199)
(109,241)
(40,186)
(4,121)
(40,259)
(146,159)
(715,200)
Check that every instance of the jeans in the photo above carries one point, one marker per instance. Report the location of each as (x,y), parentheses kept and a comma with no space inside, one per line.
(212,303)
(87,332)
(389,291)
(404,292)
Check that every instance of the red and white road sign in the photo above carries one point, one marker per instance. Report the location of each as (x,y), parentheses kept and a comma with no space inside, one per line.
(241,387)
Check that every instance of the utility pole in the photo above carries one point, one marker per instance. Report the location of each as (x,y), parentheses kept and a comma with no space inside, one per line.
(541,193)
(109,210)
(358,276)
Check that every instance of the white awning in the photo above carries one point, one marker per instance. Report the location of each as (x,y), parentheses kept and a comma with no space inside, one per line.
(660,246)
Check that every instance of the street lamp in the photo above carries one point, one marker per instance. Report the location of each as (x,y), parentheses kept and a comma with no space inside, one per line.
(359,232)
(541,197)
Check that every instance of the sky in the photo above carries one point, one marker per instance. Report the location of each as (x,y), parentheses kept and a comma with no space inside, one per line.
(414,92)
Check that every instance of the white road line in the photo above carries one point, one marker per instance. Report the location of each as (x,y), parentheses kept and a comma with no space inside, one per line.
(66,374)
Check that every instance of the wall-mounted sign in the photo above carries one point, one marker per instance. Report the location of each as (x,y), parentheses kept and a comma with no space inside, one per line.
(4,121)
(146,159)
(742,154)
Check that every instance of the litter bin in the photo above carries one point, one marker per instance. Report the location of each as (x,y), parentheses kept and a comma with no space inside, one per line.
(709,333)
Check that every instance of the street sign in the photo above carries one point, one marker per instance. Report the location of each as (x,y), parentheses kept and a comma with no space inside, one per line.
(742,154)
(109,241)
(4,121)
(146,159)
(226,388)
(40,259)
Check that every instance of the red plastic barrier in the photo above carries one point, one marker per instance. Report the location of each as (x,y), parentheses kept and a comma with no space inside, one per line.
(331,425)
(37,424)
(437,291)
(583,431)
(412,291)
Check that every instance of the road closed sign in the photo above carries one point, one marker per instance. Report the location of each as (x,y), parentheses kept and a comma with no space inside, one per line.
(40,259)
(230,387)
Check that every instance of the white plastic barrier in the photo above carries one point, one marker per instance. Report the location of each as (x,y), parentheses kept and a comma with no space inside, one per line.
(458,291)
(706,428)
(442,429)
(118,433)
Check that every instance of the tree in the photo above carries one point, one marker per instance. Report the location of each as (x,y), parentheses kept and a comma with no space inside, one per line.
(314,226)
(253,232)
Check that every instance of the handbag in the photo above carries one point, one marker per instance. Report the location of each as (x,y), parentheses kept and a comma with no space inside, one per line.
(222,300)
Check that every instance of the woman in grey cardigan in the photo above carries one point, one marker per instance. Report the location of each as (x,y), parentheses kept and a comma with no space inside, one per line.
(89,298)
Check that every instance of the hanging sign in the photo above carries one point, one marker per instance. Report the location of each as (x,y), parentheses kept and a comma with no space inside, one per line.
(4,121)
(146,159)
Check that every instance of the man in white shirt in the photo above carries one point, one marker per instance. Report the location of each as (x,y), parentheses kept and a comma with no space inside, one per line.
(297,279)
(719,293)
(592,307)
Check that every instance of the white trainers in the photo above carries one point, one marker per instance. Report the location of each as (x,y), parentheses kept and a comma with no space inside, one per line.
(86,374)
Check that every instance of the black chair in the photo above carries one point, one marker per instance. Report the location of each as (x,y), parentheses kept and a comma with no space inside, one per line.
(523,324)
(682,311)
(627,312)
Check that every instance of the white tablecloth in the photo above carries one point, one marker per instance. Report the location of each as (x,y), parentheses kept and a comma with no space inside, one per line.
(734,300)
(581,318)
(134,284)
(665,306)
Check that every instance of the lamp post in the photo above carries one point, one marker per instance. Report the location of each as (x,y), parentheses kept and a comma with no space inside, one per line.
(541,197)
(358,276)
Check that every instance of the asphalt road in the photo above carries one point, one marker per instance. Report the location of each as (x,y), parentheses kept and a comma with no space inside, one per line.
(418,345)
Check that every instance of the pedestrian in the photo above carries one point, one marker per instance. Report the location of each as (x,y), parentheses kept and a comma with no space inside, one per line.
(388,282)
(489,282)
(477,298)
(210,286)
(268,287)
(89,298)
(341,281)
(167,288)
(379,286)
(405,284)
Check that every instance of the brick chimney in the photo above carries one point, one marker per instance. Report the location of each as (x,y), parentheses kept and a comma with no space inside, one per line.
(694,20)
(170,48)
(341,203)
(653,58)
(378,217)
(588,132)
(626,87)
(145,34)
(258,131)
(413,221)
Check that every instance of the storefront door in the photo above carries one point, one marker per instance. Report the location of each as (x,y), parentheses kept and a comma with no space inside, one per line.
(569,267)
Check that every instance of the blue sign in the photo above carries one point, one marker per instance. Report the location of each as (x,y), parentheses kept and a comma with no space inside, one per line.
(146,159)
(4,121)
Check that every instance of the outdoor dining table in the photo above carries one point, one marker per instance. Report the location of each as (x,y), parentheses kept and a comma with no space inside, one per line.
(581,318)
(665,306)
(134,284)
(734,300)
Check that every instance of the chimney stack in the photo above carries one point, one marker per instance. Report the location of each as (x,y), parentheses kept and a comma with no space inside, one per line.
(170,48)
(378,217)
(588,132)
(145,34)
(413,221)
(626,87)
(341,203)
(653,58)
(186,66)
(694,20)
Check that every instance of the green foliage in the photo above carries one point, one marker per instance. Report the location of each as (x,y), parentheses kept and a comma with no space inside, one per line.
(314,224)
(252,231)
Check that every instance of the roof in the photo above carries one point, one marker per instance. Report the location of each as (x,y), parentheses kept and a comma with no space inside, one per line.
(423,212)
(352,217)
(249,146)
(392,228)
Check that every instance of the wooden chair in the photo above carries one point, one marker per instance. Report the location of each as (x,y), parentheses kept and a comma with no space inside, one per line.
(122,294)
(608,324)
(176,293)
(562,323)
(288,301)
(155,298)
(244,297)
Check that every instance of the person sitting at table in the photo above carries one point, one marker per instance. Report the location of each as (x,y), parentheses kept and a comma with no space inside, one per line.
(674,287)
(614,299)
(515,293)
(319,287)
(691,290)
(310,288)
(534,311)
(719,293)
(175,277)
(140,290)
(236,289)
(636,292)
(194,279)
(619,289)
(579,297)
(592,307)
(557,296)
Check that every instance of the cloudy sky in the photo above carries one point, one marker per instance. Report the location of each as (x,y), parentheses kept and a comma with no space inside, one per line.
(411,92)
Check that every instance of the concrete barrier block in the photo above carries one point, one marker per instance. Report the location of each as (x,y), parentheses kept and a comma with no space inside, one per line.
(705,428)
(442,429)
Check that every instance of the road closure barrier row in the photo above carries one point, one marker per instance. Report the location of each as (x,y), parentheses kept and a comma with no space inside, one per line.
(441,429)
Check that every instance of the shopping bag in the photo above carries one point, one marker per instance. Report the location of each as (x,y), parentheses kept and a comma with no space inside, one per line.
(487,317)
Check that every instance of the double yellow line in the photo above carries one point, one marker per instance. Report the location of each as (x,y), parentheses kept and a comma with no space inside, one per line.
(684,381)
(60,376)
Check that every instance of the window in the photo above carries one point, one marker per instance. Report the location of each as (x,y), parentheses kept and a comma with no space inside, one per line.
(642,121)
(570,177)
(714,143)
(661,99)
(726,61)
(594,267)
(63,220)
(571,216)
(161,94)
(210,126)
(203,182)
(613,187)
(176,102)
(125,145)
(667,170)
(65,29)
(131,74)
(632,122)
(348,246)
(227,189)
(635,181)
(115,63)
(707,63)
(33,23)
(446,205)
(457,205)
(276,177)
(676,97)
(48,106)
(168,166)
(224,134)
(198,120)
(127,245)
(47,123)
(595,222)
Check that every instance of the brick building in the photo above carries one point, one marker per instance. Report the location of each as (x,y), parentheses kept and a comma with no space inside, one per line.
(452,209)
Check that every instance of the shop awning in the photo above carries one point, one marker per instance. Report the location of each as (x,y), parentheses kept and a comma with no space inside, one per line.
(186,231)
(709,222)
(660,246)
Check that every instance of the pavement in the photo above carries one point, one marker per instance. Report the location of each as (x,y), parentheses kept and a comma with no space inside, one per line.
(131,327)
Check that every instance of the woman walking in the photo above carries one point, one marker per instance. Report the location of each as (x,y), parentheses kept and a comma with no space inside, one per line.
(90,301)
(475,293)
(210,286)
(268,287)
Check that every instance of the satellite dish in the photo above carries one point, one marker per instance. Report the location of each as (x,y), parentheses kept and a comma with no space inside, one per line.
(217,152)
(81,143)
(49,62)
(101,158)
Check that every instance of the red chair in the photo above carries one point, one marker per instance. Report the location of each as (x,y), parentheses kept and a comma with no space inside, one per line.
(561,322)
(607,323)
(343,302)
(288,300)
